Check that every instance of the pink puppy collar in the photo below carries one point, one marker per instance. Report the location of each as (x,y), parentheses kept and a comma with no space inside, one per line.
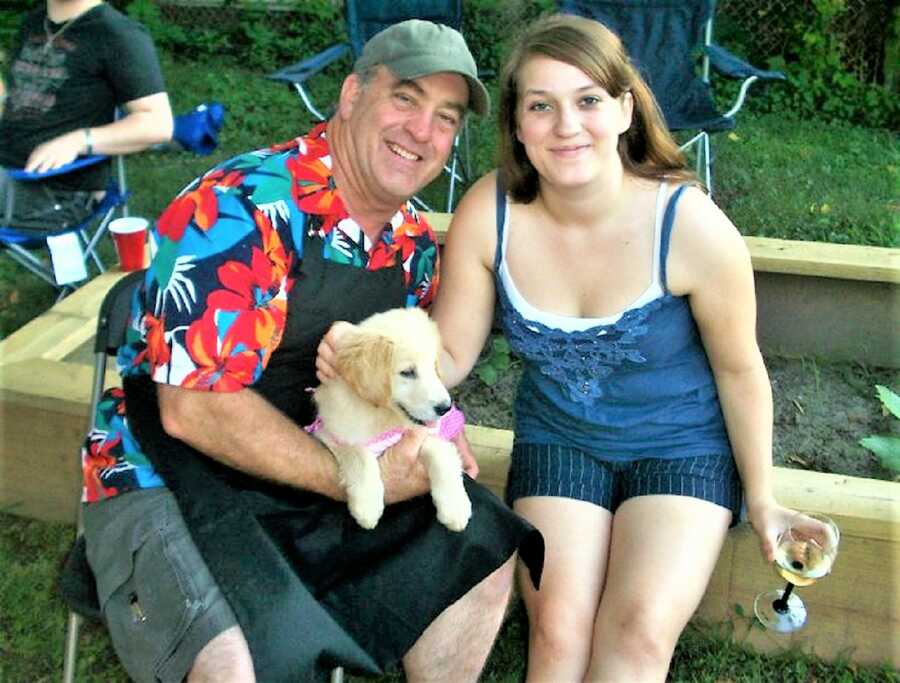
(447,428)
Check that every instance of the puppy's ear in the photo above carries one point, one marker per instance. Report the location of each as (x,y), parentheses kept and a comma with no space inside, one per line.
(366,362)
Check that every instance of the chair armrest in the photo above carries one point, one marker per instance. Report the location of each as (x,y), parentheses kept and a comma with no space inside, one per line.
(732,66)
(79,162)
(301,71)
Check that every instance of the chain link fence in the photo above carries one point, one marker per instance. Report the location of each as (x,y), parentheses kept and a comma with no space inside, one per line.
(775,28)
(758,29)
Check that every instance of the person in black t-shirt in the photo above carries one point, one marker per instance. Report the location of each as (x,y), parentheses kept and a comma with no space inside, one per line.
(74,62)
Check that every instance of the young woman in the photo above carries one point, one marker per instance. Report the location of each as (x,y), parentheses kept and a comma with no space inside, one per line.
(644,407)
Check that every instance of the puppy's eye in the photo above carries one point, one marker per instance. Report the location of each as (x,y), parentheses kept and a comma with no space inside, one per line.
(409,373)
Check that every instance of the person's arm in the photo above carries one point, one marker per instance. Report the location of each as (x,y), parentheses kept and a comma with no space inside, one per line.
(244,431)
(148,121)
(710,262)
(464,307)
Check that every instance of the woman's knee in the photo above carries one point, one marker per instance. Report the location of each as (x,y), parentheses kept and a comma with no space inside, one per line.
(640,632)
(561,628)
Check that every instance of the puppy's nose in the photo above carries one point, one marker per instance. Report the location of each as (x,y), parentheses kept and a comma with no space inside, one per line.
(442,408)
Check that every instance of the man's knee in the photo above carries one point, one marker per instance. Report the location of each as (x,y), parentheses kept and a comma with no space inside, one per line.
(224,659)
(495,589)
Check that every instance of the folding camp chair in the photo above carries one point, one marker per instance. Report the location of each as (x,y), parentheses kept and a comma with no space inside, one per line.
(365,18)
(21,245)
(112,324)
(663,39)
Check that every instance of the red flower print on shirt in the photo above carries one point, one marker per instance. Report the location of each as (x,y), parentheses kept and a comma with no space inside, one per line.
(199,204)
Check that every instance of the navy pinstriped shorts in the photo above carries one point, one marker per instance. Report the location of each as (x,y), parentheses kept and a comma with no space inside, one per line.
(567,472)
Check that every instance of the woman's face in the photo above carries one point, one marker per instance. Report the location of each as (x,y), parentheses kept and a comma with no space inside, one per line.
(568,124)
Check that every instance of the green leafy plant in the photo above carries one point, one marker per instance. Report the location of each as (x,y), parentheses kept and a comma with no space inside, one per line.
(887,448)
(496,360)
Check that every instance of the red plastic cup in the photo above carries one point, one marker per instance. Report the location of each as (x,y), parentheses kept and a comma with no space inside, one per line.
(130,237)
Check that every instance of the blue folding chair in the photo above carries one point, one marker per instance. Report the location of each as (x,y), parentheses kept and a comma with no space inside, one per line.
(365,18)
(663,39)
(23,246)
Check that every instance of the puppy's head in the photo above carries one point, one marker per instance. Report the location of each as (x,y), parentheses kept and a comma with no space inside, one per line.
(391,361)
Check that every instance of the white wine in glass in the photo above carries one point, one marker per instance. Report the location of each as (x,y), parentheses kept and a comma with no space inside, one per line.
(805,553)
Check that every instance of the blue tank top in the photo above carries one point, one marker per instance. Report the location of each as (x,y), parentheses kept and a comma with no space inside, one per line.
(638,387)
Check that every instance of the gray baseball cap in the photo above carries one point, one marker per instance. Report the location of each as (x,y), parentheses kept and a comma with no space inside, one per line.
(416,48)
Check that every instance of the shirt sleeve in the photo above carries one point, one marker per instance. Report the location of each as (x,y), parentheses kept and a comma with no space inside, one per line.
(215,297)
(132,63)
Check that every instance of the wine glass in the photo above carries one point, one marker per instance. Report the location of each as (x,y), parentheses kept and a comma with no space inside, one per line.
(805,553)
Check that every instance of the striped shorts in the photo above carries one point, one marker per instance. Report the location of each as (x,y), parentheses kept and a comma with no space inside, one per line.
(568,472)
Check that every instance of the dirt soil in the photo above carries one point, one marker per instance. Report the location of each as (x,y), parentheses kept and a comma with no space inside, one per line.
(822,410)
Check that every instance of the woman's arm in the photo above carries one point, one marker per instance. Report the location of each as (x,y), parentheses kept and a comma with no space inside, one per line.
(464,307)
(710,263)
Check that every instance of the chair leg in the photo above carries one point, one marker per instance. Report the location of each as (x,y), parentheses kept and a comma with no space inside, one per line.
(337,674)
(707,164)
(71,651)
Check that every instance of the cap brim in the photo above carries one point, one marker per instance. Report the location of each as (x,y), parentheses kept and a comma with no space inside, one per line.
(479,99)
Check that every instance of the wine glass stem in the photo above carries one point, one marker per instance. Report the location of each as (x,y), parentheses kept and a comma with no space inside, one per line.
(781,604)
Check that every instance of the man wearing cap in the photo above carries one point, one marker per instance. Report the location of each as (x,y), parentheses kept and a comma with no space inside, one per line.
(216,528)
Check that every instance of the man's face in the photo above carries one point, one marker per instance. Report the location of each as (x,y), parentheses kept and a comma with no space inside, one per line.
(402,130)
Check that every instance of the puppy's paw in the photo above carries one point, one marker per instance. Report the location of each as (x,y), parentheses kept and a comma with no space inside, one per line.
(454,511)
(366,509)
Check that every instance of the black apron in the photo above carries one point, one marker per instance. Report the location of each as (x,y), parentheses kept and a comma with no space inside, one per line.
(310,588)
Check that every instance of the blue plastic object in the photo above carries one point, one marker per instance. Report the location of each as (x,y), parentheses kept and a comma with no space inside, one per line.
(198,130)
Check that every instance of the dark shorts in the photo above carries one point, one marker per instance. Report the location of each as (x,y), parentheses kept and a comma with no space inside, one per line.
(35,207)
(567,472)
(157,597)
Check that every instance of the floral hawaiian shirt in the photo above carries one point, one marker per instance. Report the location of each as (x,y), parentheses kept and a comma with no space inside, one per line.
(214,301)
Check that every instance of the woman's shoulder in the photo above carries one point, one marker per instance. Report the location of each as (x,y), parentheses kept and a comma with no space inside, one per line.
(704,240)
(698,218)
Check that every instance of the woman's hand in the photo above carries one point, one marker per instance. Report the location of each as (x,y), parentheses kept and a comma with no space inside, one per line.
(769,520)
(469,464)
(327,349)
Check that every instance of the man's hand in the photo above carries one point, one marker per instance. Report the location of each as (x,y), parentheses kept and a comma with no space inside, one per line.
(56,152)
(328,348)
(402,471)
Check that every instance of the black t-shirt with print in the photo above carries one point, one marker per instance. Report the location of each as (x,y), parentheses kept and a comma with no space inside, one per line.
(100,60)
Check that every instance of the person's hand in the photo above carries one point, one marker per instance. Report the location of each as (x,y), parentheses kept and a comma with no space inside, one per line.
(327,349)
(769,520)
(56,152)
(402,471)
(469,464)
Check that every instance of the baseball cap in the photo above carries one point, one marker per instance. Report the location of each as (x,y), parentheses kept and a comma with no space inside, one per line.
(415,48)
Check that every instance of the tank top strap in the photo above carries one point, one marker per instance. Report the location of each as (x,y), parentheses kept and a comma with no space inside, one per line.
(501,222)
(665,237)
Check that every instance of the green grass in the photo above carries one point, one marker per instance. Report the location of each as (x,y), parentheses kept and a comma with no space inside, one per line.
(33,622)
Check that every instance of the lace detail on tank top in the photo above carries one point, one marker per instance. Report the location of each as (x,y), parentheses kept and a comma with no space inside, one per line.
(578,361)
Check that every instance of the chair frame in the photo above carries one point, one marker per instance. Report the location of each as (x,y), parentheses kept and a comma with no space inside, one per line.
(112,326)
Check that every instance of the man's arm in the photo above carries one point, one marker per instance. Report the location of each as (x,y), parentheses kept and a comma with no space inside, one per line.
(148,121)
(244,431)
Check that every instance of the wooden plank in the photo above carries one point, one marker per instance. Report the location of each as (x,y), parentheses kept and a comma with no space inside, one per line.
(839,261)
(823,259)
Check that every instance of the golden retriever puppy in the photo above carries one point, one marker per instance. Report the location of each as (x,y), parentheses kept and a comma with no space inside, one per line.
(387,381)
